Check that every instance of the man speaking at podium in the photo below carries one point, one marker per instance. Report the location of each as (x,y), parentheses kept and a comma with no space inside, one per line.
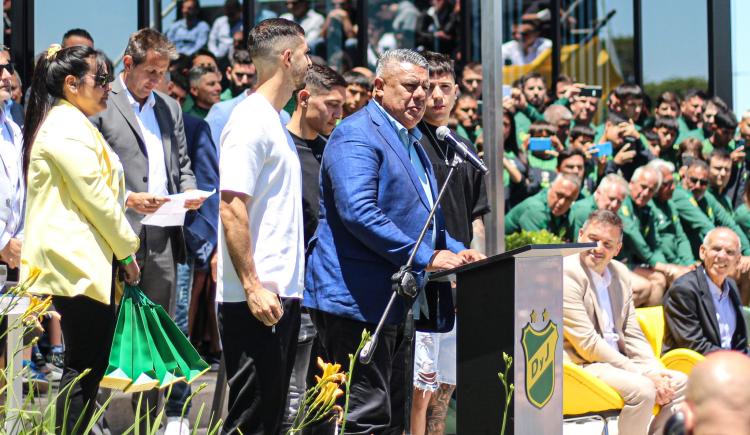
(377,189)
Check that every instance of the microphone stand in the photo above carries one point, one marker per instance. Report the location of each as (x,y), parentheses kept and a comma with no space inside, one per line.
(404,283)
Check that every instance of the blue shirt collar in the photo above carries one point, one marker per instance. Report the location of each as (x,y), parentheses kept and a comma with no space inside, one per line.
(401,131)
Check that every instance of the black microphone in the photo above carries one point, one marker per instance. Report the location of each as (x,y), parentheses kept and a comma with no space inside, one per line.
(444,133)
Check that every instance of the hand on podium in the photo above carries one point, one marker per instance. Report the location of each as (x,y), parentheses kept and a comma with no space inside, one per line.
(444,259)
(471,255)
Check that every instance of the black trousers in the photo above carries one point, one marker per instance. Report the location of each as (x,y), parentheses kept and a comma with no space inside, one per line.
(380,398)
(88,327)
(259,361)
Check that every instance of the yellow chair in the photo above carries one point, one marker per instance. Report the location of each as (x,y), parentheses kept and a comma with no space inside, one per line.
(585,396)
(651,320)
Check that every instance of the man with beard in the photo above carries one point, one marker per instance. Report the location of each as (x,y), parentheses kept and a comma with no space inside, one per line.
(529,104)
(261,260)
(241,75)
(467,114)
(463,205)
(691,117)
(377,189)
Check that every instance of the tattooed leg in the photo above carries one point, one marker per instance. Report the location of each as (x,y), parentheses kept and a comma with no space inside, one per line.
(438,408)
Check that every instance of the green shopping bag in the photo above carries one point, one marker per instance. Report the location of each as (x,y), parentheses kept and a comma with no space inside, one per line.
(163,354)
(143,373)
(189,361)
(119,369)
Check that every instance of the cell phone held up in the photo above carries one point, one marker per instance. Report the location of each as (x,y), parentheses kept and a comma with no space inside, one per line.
(591,91)
(540,144)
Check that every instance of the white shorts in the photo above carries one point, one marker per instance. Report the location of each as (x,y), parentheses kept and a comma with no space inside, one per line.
(434,359)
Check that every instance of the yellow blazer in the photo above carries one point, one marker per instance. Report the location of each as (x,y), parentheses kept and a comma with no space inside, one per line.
(584,341)
(75,215)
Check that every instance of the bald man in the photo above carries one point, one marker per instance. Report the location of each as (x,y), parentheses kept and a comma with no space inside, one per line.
(717,396)
(702,308)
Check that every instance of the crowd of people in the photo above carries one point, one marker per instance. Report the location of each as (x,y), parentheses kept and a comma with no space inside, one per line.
(324,178)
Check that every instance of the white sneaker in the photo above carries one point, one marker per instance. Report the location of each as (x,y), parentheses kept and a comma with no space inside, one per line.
(177,426)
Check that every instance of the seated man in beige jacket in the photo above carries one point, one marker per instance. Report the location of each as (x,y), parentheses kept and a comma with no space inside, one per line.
(602,333)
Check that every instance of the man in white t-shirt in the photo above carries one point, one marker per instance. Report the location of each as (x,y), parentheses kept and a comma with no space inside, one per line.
(261,260)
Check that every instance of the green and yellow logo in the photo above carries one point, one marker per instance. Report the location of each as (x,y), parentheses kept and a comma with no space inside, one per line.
(539,348)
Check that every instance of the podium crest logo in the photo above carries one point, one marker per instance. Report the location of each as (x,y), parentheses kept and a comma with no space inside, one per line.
(539,348)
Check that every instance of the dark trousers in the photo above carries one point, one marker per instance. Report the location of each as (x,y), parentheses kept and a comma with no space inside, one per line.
(88,327)
(302,361)
(378,402)
(156,258)
(259,361)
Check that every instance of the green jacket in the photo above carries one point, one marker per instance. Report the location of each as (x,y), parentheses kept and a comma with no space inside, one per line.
(708,146)
(700,217)
(673,242)
(579,212)
(742,217)
(685,132)
(639,241)
(722,200)
(533,214)
(523,119)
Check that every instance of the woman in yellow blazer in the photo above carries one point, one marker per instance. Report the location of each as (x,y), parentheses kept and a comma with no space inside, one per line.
(75,216)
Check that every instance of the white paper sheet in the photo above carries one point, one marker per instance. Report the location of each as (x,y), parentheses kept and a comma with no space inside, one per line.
(172,212)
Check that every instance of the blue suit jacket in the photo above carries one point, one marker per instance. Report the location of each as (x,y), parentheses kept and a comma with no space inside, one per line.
(201,226)
(372,208)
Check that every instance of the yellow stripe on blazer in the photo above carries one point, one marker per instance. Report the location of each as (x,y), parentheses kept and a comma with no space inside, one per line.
(75,215)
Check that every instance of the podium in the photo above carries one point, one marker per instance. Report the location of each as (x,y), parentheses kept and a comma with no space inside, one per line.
(512,303)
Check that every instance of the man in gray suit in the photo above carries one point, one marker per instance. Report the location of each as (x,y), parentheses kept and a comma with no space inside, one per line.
(145,129)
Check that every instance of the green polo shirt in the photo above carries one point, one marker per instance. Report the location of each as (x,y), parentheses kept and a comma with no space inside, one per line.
(639,242)
(533,214)
(197,111)
(579,212)
(673,242)
(700,217)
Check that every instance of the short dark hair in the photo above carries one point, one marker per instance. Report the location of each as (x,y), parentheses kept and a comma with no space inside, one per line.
(149,39)
(203,52)
(604,217)
(241,57)
(473,66)
(693,92)
(439,64)
(568,153)
(718,102)
(358,79)
(628,90)
(616,118)
(264,39)
(582,130)
(532,75)
(81,33)
(725,119)
(323,78)
(668,97)
(539,127)
(720,153)
(667,122)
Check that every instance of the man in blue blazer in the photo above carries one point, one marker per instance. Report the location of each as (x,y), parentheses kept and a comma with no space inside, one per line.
(377,189)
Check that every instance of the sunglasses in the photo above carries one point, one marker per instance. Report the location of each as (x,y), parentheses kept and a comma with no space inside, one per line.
(248,76)
(698,181)
(8,67)
(102,80)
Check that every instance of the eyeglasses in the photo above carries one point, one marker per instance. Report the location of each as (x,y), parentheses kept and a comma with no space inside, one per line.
(102,80)
(248,76)
(8,67)
(698,181)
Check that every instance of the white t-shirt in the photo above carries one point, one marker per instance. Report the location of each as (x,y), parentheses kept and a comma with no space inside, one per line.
(258,158)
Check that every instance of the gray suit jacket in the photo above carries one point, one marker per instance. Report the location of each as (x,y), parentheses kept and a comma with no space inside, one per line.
(120,128)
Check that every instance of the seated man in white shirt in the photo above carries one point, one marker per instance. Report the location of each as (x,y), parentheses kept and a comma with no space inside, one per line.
(702,308)
(602,333)
(526,45)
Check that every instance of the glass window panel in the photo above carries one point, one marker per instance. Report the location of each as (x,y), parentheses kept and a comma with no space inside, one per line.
(675,46)
(109,22)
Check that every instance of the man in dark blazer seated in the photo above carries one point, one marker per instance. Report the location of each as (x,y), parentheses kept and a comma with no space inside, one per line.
(377,188)
(702,308)
(145,128)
